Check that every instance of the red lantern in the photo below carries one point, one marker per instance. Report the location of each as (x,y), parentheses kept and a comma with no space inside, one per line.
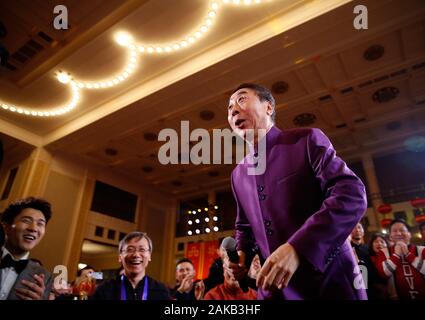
(385,223)
(420,218)
(418,203)
(385,208)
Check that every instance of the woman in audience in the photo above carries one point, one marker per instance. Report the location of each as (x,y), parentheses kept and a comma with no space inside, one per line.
(383,288)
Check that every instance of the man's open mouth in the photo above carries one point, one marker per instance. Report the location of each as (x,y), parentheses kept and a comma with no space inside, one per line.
(239,122)
(29,237)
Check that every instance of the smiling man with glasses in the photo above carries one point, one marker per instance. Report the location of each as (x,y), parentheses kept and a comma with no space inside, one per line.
(135,251)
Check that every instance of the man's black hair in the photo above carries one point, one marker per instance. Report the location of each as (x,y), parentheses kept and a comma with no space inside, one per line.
(184,260)
(16,208)
(263,94)
(399,221)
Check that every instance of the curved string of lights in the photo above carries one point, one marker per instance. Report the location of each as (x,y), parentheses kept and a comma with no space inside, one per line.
(134,50)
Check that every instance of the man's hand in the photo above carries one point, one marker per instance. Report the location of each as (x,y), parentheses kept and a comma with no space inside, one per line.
(279,268)
(35,289)
(187,284)
(400,249)
(199,290)
(237,270)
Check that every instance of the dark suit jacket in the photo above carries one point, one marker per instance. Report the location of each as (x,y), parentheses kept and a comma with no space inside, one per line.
(28,274)
(111,290)
(307,197)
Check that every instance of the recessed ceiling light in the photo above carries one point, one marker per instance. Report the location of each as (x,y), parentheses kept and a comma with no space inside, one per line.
(206,115)
(374,52)
(111,152)
(304,119)
(385,94)
(280,87)
(150,136)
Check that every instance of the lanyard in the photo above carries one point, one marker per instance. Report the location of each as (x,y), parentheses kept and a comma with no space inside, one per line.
(145,289)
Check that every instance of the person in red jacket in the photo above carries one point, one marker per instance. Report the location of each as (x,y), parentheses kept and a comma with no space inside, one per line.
(405,263)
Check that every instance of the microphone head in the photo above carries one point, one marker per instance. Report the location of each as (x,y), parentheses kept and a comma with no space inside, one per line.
(228,244)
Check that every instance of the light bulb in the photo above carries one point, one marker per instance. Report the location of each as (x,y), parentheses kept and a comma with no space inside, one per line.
(123,38)
(63,77)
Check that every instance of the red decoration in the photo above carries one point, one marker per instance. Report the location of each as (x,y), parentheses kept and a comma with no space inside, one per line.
(385,208)
(420,218)
(385,223)
(418,203)
(202,255)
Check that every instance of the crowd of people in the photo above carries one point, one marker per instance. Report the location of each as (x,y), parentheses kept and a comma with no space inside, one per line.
(297,203)
(394,268)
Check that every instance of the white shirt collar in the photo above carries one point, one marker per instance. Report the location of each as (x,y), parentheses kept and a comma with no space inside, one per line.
(5,252)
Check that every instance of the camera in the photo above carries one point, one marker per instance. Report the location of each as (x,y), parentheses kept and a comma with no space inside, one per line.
(97,275)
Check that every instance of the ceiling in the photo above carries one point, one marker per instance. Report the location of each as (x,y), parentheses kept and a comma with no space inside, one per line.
(364,88)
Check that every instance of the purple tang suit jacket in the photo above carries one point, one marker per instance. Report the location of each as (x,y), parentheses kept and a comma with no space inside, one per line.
(307,197)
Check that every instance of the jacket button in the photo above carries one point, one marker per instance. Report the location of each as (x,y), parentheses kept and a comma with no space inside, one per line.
(270,232)
(267,223)
(260,188)
(262,197)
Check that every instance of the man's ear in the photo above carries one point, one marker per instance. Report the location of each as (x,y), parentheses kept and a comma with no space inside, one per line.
(270,108)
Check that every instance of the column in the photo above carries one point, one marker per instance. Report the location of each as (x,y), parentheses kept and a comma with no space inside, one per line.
(372,185)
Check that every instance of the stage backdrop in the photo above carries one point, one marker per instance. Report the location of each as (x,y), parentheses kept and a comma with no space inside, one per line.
(202,255)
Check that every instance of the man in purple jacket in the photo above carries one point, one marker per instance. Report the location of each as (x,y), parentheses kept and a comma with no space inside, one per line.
(297,213)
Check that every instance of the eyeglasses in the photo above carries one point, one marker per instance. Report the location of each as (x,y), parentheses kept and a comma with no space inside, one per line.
(132,250)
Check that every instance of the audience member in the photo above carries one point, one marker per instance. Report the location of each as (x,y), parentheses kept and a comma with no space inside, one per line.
(135,251)
(230,289)
(383,288)
(186,288)
(405,263)
(24,223)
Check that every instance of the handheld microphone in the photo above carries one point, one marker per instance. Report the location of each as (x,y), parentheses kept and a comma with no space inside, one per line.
(229,244)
